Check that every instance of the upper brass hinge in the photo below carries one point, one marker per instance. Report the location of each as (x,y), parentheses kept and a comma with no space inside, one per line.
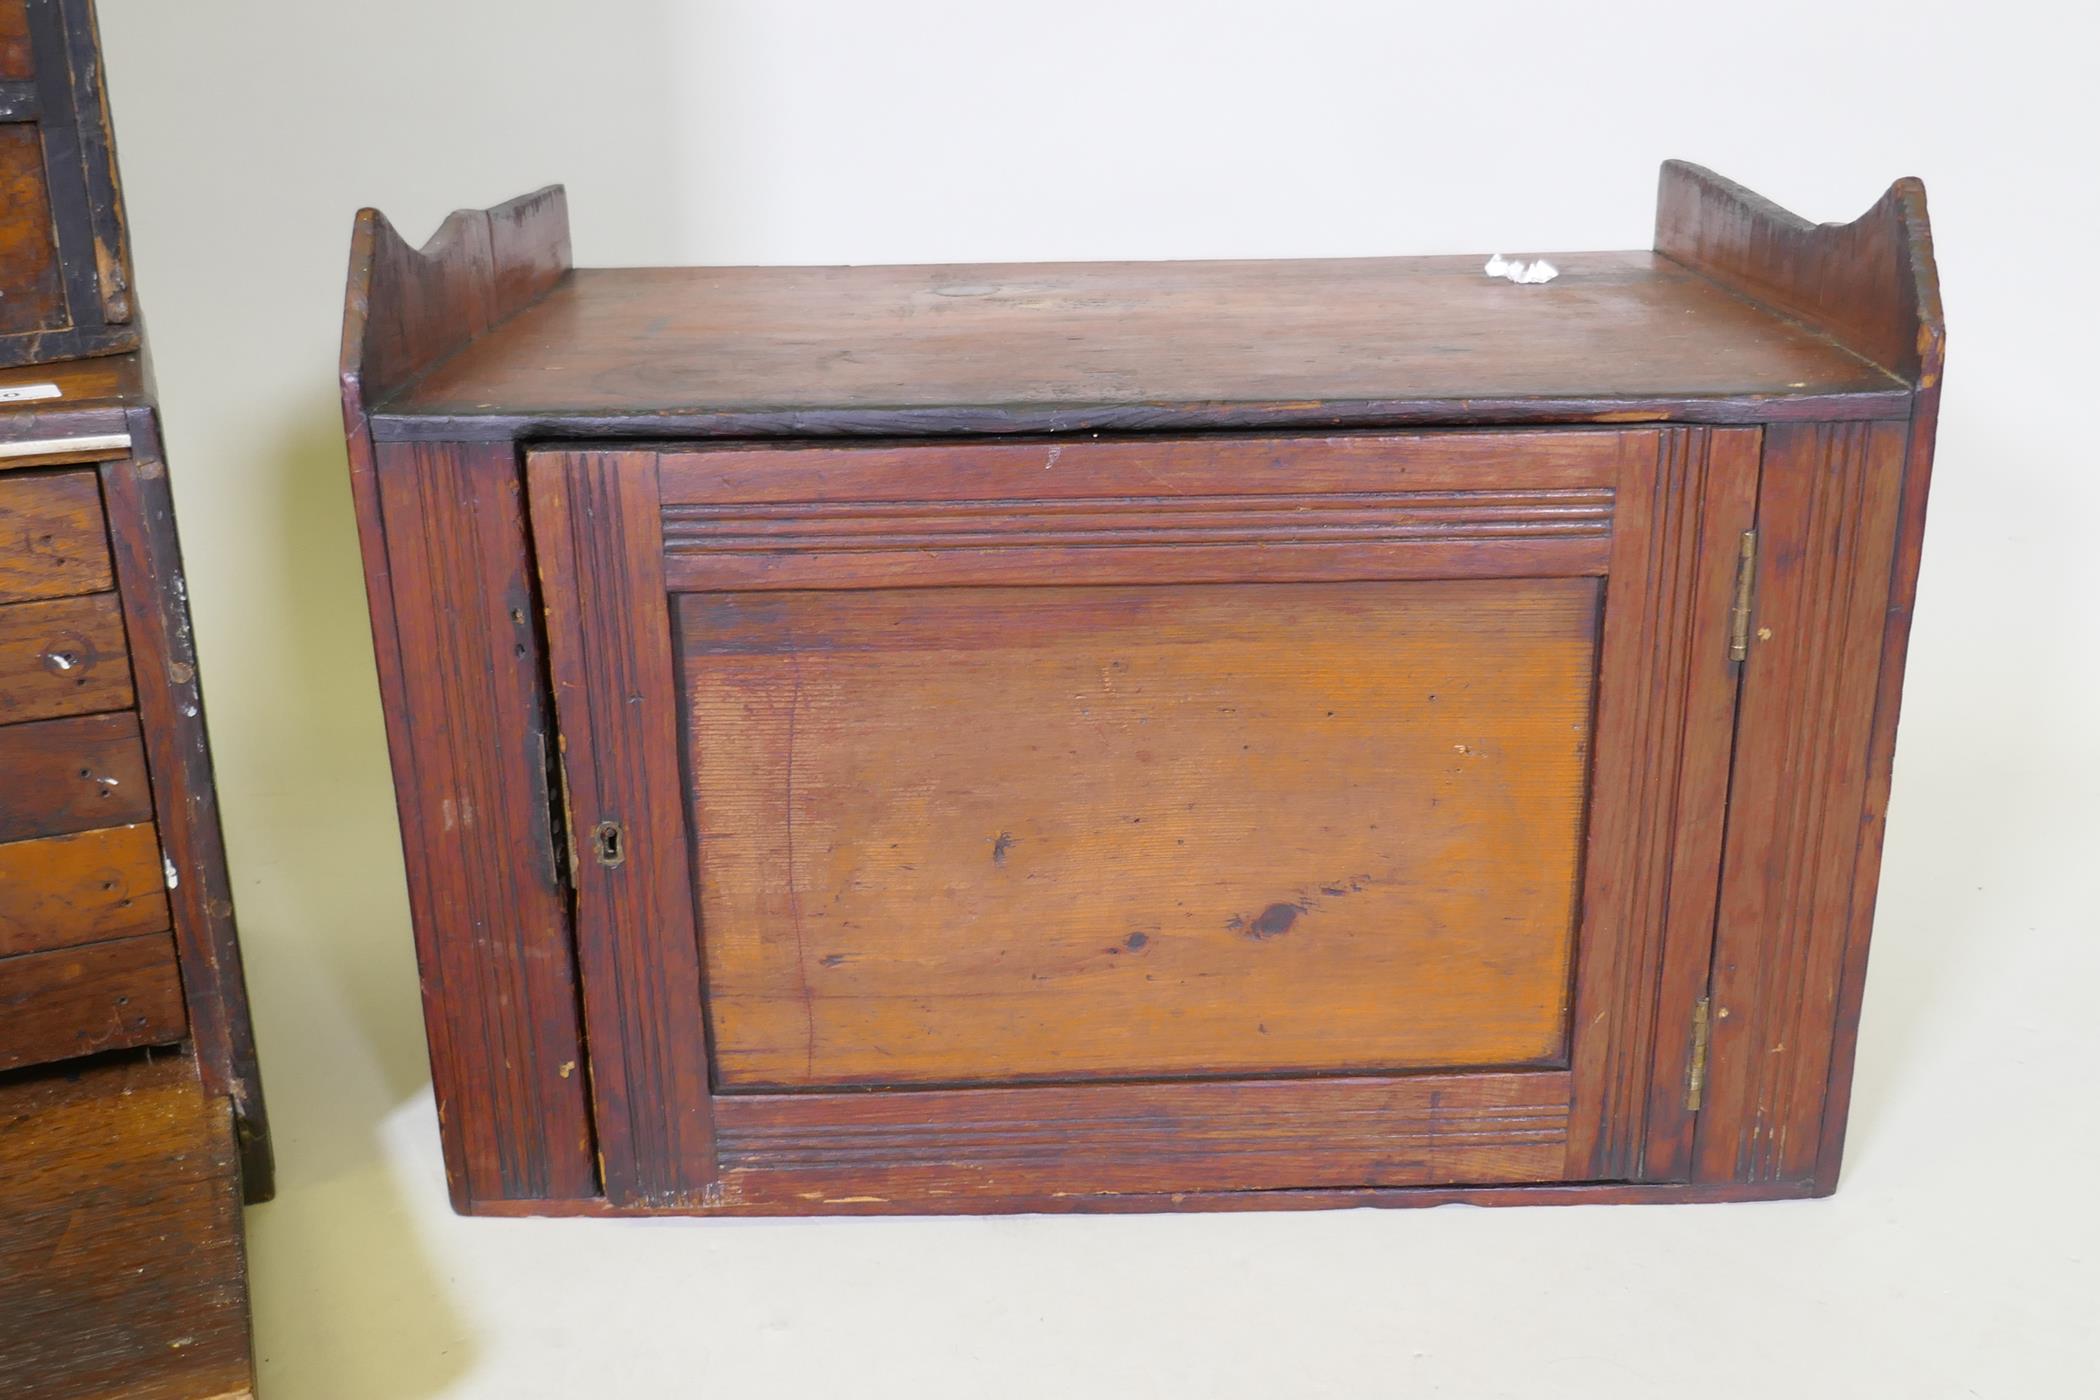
(1695,1081)
(1739,613)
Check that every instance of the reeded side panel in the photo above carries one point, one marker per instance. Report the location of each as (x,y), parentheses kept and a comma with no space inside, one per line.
(1827,527)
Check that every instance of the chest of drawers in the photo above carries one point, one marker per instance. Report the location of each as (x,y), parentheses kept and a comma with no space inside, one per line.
(1141,736)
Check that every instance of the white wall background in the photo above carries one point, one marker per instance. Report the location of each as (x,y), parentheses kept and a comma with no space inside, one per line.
(1959,1258)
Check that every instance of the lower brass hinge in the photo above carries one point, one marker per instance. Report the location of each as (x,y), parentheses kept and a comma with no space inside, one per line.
(1739,614)
(1695,1081)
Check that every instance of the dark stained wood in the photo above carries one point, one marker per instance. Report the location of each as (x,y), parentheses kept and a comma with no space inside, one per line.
(65,262)
(67,775)
(1827,524)
(1870,284)
(796,675)
(600,550)
(148,559)
(1154,510)
(70,1002)
(990,835)
(93,885)
(1666,703)
(1120,346)
(471,779)
(52,541)
(121,1268)
(93,397)
(814,1151)
(408,308)
(63,657)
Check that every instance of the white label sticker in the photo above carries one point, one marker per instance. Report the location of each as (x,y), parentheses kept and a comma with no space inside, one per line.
(30,393)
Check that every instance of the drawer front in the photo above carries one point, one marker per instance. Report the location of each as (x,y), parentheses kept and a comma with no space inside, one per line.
(53,543)
(63,657)
(68,775)
(116,995)
(64,891)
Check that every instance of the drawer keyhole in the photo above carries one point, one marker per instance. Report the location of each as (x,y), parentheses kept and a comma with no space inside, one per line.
(608,843)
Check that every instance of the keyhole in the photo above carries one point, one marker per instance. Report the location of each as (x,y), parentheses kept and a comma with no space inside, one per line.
(607,843)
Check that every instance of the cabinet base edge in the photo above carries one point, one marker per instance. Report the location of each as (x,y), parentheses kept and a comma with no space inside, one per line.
(1566,1194)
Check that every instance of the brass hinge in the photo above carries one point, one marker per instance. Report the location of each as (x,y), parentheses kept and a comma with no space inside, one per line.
(1695,1081)
(1739,614)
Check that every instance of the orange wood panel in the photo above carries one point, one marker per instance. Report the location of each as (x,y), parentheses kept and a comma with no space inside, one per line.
(66,890)
(977,836)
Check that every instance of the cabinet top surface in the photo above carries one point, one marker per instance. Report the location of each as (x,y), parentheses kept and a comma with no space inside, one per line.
(1076,346)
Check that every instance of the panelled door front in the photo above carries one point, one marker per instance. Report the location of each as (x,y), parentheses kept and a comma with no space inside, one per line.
(1015,819)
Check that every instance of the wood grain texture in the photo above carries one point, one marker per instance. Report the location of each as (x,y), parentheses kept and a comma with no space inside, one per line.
(1124,346)
(1827,524)
(1666,703)
(147,553)
(121,1261)
(74,774)
(1871,285)
(471,781)
(600,549)
(52,540)
(407,308)
(71,1002)
(1578,1193)
(63,656)
(987,835)
(94,885)
(1158,510)
(35,297)
(63,243)
(1881,757)
(17,61)
(817,1150)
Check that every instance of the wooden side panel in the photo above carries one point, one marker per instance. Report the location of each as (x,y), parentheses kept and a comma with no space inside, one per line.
(68,890)
(72,775)
(64,656)
(1827,525)
(1881,758)
(148,557)
(812,1151)
(83,1001)
(962,836)
(1870,284)
(1665,705)
(52,542)
(468,726)
(595,519)
(121,1268)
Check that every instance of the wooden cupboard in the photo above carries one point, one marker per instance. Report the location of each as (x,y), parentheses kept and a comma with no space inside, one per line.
(1140,736)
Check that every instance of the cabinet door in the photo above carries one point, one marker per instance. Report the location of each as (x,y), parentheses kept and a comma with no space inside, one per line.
(992,822)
